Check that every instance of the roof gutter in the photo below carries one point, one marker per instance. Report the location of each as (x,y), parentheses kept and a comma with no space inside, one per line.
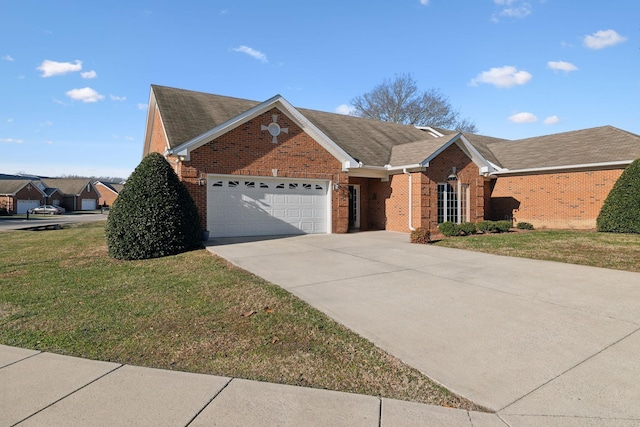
(404,171)
(567,168)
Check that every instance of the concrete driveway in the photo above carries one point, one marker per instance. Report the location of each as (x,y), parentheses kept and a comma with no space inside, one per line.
(541,343)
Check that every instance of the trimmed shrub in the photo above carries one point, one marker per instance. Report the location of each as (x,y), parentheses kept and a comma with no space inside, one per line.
(504,225)
(420,235)
(487,227)
(467,228)
(524,226)
(154,215)
(449,229)
(620,212)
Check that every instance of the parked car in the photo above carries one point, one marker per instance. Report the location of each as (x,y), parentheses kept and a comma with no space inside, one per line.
(48,209)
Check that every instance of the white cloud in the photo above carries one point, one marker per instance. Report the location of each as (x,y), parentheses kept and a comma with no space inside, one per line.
(512,9)
(48,142)
(142,106)
(117,98)
(602,39)
(551,120)
(252,52)
(523,118)
(89,74)
(53,68)
(561,66)
(424,2)
(85,95)
(8,58)
(503,77)
(9,120)
(11,141)
(345,109)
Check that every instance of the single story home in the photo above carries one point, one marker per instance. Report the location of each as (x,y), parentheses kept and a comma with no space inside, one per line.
(269,168)
(18,193)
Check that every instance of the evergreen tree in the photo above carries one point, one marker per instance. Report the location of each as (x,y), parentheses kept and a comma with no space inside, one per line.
(154,215)
(620,212)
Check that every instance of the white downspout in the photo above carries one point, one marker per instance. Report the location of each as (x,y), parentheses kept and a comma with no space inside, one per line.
(404,170)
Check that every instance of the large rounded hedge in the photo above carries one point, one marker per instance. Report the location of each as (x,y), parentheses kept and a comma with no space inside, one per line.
(154,215)
(620,212)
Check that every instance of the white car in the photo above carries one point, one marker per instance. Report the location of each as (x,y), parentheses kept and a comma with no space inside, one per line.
(48,209)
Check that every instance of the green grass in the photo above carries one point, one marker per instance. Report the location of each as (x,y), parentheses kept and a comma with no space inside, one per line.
(60,292)
(608,250)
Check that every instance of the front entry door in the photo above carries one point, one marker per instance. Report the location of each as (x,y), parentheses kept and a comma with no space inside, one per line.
(354,206)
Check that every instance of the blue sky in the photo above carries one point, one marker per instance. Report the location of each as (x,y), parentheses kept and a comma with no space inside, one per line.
(75,76)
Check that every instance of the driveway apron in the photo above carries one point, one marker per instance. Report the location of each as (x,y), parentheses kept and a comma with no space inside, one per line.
(539,342)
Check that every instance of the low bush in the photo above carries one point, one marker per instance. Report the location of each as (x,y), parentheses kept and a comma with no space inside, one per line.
(487,227)
(420,235)
(467,228)
(504,225)
(449,229)
(524,226)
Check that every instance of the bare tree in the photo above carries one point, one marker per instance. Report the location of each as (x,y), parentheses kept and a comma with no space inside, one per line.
(400,101)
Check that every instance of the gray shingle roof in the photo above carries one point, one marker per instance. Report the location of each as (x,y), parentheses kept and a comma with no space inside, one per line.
(188,114)
(587,146)
(71,186)
(416,152)
(11,186)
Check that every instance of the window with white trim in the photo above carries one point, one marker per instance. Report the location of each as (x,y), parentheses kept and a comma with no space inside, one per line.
(453,202)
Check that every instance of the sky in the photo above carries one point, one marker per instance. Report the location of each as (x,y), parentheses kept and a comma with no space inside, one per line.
(75,76)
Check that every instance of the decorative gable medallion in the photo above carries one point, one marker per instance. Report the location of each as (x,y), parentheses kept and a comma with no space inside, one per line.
(274,128)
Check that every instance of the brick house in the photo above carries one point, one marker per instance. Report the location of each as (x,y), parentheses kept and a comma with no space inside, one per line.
(78,194)
(268,168)
(18,194)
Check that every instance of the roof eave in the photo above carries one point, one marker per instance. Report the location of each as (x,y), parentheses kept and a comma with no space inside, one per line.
(564,168)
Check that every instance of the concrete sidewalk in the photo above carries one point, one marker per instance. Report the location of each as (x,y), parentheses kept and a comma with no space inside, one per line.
(542,343)
(45,389)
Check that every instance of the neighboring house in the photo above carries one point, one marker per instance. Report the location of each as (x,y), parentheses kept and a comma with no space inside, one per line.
(20,195)
(108,192)
(78,194)
(268,168)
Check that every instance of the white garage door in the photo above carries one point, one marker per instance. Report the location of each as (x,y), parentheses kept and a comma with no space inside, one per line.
(259,206)
(25,205)
(88,205)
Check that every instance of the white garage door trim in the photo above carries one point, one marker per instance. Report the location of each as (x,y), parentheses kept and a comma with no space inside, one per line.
(267,206)
(25,205)
(88,205)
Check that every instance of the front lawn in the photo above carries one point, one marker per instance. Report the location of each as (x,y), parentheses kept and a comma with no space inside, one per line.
(60,292)
(608,250)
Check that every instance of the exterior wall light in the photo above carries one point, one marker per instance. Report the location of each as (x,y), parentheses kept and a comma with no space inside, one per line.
(452,176)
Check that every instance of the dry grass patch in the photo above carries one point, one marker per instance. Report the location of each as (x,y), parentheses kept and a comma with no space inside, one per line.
(606,250)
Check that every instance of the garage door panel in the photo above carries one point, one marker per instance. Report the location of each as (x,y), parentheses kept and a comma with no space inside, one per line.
(264,206)
(25,205)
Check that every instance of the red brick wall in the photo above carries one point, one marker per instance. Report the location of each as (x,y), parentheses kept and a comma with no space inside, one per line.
(388,202)
(377,194)
(556,200)
(158,137)
(106,195)
(248,150)
(438,171)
